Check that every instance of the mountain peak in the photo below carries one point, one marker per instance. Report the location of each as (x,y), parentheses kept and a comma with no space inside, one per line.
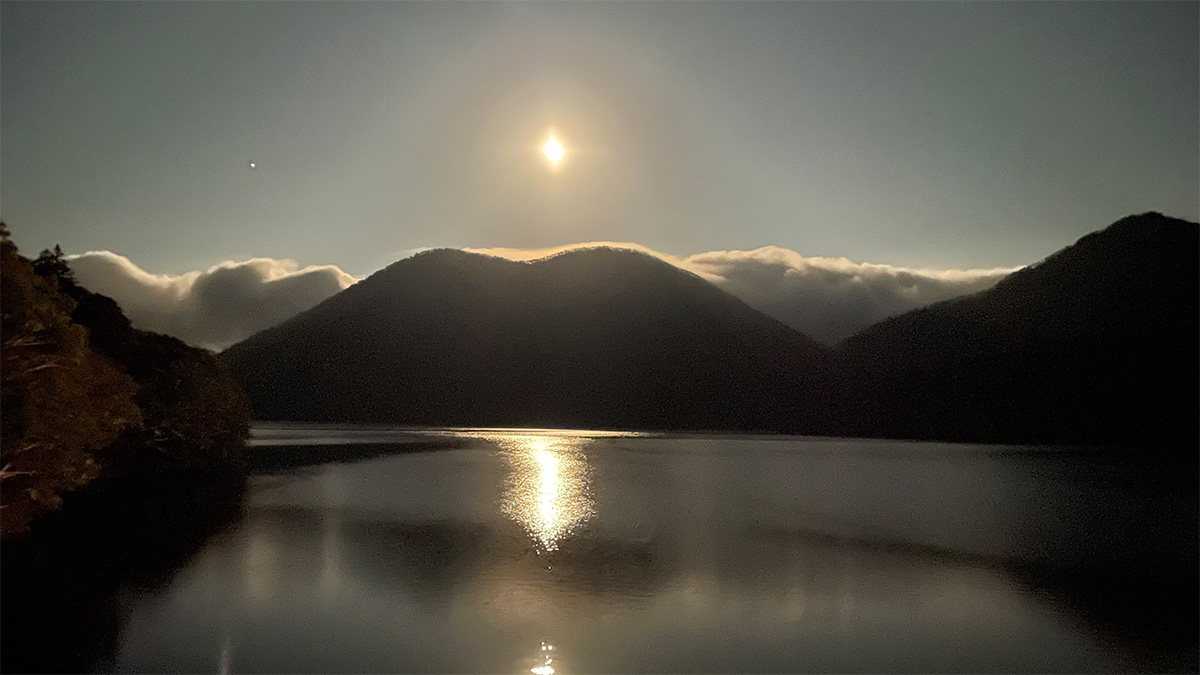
(1131,248)
(609,261)
(1147,218)
(1096,343)
(599,253)
(596,337)
(446,256)
(1151,226)
(1144,229)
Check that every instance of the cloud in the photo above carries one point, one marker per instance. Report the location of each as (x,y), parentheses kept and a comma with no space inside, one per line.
(828,299)
(213,308)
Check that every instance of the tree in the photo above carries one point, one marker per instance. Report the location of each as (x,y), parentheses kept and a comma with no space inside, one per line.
(62,402)
(51,265)
(194,414)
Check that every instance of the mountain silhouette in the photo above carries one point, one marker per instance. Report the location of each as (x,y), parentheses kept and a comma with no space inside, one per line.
(598,337)
(1096,344)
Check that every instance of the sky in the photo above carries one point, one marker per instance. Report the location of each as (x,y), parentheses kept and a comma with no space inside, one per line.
(921,135)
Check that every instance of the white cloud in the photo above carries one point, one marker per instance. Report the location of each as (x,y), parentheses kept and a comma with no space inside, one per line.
(825,298)
(213,308)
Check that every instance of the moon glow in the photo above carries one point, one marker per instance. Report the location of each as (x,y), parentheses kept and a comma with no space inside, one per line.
(553,150)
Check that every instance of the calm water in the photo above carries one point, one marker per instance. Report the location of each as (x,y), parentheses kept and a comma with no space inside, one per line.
(563,552)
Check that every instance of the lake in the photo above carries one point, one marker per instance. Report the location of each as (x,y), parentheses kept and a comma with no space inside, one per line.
(544,551)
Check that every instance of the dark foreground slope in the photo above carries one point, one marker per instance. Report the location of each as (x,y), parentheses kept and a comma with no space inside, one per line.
(591,338)
(1097,344)
(86,397)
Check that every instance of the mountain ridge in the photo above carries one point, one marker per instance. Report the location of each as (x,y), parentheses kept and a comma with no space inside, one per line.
(1051,346)
(1062,351)
(658,346)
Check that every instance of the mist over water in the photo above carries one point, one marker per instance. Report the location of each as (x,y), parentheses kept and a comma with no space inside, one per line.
(561,552)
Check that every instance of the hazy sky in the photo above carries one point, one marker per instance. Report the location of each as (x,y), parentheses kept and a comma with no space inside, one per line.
(920,134)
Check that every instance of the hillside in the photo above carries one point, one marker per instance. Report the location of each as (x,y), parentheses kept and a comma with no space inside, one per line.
(1096,344)
(588,338)
(90,401)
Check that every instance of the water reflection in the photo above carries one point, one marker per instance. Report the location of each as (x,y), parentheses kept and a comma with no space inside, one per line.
(333,493)
(67,585)
(548,489)
(668,555)
(548,492)
(547,658)
(226,665)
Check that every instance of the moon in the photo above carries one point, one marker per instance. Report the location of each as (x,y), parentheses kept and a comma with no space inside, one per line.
(553,150)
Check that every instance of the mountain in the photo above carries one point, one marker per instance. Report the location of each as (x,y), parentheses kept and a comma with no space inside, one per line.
(588,338)
(1097,344)
(90,402)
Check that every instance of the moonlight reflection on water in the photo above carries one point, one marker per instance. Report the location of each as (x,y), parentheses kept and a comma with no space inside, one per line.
(547,552)
(548,492)
(548,489)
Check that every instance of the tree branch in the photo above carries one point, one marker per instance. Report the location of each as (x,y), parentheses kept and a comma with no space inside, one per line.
(5,472)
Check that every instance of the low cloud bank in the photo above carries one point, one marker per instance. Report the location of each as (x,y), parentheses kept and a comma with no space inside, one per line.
(213,308)
(828,299)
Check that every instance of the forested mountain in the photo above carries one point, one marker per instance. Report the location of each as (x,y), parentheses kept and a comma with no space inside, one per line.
(1096,344)
(193,413)
(62,402)
(588,338)
(85,395)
